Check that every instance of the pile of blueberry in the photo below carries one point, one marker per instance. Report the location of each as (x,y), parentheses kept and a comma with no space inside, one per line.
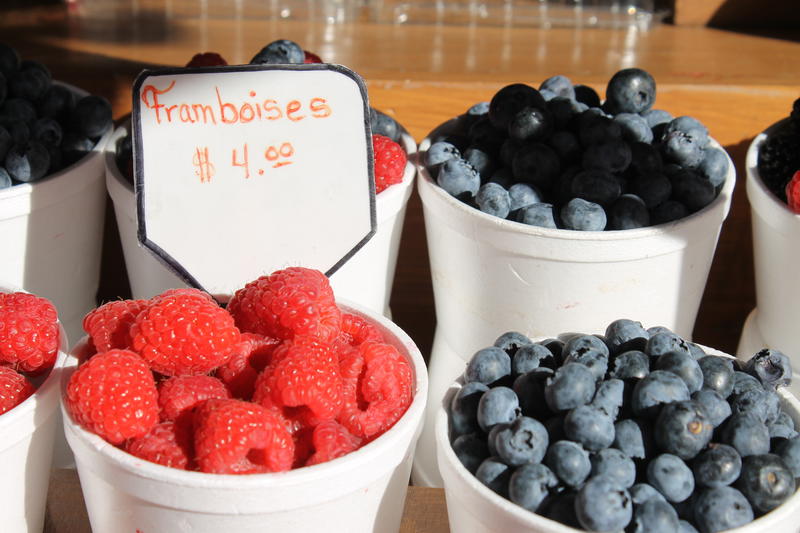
(44,126)
(637,430)
(559,158)
(779,156)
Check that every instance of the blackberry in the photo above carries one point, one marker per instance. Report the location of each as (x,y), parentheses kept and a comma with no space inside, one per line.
(778,160)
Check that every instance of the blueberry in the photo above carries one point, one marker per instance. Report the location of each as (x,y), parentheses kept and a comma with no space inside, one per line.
(654,117)
(19,131)
(721,508)
(492,436)
(671,477)
(668,211)
(631,90)
(766,481)
(591,358)
(382,124)
(642,492)
(634,128)
(522,195)
(91,116)
(464,408)
(28,163)
(654,516)
(537,215)
(785,419)
(5,179)
(628,439)
(6,142)
(47,131)
(562,111)
(439,153)
(717,374)
(594,128)
(714,406)
(495,474)
(664,342)
(682,365)
(645,160)
(686,527)
(555,428)
(532,356)
(718,466)
(548,94)
(57,102)
(743,382)
(566,146)
(609,397)
(715,166)
(612,156)
(481,160)
(31,81)
(493,199)
(488,365)
(17,109)
(536,164)
(472,115)
(530,485)
(471,450)
(683,429)
(458,178)
(508,150)
(696,351)
(653,189)
(586,95)
(282,51)
(560,85)
(678,147)
(590,427)
(601,505)
(572,385)
(9,60)
(746,433)
(780,431)
(657,388)
(578,214)
(614,464)
(561,508)
(692,190)
(789,451)
(556,347)
(771,367)
(525,440)
(530,124)
(632,364)
(596,186)
(764,405)
(511,341)
(529,388)
(509,100)
(503,177)
(580,343)
(497,405)
(569,461)
(483,133)
(691,127)
(628,212)
(3,88)
(625,334)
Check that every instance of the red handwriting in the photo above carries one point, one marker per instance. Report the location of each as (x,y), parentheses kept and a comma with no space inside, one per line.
(276,156)
(201,161)
(220,110)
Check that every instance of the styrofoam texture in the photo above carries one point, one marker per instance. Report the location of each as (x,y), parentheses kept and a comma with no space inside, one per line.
(752,341)
(474,508)
(363,491)
(51,234)
(776,253)
(27,435)
(492,275)
(365,279)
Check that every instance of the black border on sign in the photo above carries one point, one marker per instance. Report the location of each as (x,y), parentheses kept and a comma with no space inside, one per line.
(160,253)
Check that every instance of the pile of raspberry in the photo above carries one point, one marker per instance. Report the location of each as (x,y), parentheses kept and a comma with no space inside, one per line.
(29,339)
(282,378)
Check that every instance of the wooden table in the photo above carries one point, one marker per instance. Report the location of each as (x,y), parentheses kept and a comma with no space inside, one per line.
(736,83)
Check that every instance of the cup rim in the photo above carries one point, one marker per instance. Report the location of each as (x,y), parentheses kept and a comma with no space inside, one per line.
(722,201)
(757,190)
(408,423)
(444,447)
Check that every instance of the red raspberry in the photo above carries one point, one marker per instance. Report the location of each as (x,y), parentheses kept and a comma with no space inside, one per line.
(14,388)
(188,291)
(28,332)
(168,443)
(252,356)
(236,437)
(331,440)
(114,395)
(311,57)
(184,335)
(294,301)
(207,59)
(793,193)
(109,325)
(180,394)
(303,446)
(385,386)
(357,330)
(390,162)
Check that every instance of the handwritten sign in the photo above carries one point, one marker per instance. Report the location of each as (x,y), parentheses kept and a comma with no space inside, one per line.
(244,170)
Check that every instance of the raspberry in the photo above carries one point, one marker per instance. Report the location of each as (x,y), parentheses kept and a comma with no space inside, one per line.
(331,440)
(251,357)
(14,388)
(168,443)
(183,334)
(114,395)
(311,57)
(390,162)
(306,374)
(109,325)
(180,394)
(793,193)
(236,437)
(357,330)
(207,59)
(384,386)
(28,332)
(294,301)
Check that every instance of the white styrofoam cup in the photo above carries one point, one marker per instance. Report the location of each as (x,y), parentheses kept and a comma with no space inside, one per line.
(365,279)
(363,491)
(51,234)
(472,507)
(492,275)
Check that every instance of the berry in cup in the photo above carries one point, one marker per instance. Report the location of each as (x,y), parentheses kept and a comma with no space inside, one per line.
(779,160)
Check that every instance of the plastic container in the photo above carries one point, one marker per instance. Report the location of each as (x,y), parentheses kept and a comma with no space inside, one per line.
(474,508)
(363,491)
(776,254)
(51,234)
(27,434)
(492,275)
(365,279)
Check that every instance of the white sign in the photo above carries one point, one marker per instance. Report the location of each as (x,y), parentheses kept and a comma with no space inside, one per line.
(244,170)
